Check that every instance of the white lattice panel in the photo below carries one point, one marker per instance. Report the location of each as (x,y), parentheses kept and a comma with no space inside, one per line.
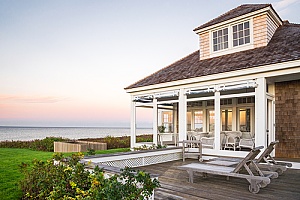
(142,161)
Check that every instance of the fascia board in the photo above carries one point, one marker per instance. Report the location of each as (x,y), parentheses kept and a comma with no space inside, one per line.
(243,72)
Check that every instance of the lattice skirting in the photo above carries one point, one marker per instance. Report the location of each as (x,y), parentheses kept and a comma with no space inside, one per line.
(143,161)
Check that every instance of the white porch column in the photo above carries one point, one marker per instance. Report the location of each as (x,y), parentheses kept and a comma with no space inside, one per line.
(155,120)
(217,120)
(132,124)
(182,115)
(260,113)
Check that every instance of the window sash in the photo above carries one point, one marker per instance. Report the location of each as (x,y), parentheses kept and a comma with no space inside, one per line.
(220,39)
(241,34)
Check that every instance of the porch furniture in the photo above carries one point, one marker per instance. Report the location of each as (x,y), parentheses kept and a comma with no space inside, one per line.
(208,142)
(266,160)
(167,138)
(256,181)
(262,162)
(232,139)
(247,140)
(194,135)
(191,147)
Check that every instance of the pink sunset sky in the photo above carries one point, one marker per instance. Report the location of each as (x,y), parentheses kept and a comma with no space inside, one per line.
(65,63)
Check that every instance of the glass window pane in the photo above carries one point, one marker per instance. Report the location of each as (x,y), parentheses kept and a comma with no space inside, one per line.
(241,34)
(211,115)
(220,33)
(225,45)
(235,36)
(215,47)
(241,41)
(225,38)
(235,43)
(225,31)
(247,32)
(234,28)
(214,34)
(215,41)
(227,120)
(240,27)
(244,120)
(246,25)
(247,40)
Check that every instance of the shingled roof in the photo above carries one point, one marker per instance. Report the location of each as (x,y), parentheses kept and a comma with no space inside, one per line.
(236,12)
(284,46)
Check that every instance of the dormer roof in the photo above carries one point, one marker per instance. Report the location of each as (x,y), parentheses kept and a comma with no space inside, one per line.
(236,12)
(283,47)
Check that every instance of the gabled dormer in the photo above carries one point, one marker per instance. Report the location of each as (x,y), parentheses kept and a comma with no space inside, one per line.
(246,27)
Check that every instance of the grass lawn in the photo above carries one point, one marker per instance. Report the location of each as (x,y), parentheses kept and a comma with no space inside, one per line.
(11,158)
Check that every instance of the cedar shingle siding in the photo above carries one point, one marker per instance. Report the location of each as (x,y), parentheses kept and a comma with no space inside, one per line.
(287,108)
(284,46)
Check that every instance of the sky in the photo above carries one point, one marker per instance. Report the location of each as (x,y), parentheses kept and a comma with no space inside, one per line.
(67,62)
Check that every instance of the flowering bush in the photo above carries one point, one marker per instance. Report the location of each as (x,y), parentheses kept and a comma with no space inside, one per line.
(70,180)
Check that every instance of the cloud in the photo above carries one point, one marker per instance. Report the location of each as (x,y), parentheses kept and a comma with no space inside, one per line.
(30,99)
(283,6)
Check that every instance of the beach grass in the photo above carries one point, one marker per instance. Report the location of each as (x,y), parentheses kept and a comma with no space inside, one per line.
(10,160)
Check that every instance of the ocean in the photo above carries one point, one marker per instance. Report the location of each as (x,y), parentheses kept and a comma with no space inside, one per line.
(31,133)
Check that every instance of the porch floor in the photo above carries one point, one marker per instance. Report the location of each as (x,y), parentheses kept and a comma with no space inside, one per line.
(175,185)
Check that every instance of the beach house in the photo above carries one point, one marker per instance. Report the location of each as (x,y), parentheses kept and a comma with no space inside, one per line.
(239,90)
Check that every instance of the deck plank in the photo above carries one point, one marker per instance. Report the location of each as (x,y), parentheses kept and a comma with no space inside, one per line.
(175,185)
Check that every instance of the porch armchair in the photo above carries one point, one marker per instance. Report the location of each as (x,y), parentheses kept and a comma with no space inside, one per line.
(232,139)
(207,138)
(208,142)
(247,140)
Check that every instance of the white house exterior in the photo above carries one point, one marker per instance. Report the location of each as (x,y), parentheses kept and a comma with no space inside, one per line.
(245,78)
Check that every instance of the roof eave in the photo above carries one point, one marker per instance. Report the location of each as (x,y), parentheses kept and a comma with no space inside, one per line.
(230,74)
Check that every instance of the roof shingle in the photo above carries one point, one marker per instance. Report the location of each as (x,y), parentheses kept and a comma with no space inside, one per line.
(236,12)
(284,46)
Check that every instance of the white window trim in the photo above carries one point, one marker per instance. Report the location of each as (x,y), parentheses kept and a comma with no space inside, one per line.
(230,48)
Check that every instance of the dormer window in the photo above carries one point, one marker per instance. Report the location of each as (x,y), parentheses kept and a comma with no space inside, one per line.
(231,38)
(220,39)
(241,34)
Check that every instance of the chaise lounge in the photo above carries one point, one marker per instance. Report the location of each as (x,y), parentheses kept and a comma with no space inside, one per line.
(257,179)
(265,161)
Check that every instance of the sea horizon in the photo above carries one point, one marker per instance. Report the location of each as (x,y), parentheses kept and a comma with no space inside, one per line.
(26,133)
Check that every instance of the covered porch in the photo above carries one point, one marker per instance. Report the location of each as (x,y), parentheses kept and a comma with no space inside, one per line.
(229,116)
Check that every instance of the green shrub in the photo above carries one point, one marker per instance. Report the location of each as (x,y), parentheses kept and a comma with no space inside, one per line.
(70,180)
(46,144)
(120,142)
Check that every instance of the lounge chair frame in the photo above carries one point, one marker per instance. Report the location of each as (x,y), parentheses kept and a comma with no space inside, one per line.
(265,160)
(257,180)
(266,157)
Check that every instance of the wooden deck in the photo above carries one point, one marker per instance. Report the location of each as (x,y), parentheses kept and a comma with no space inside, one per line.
(175,185)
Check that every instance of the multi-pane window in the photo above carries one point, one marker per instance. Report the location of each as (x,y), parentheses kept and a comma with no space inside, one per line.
(220,39)
(241,34)
(244,119)
(198,119)
(227,120)
(168,121)
(211,120)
